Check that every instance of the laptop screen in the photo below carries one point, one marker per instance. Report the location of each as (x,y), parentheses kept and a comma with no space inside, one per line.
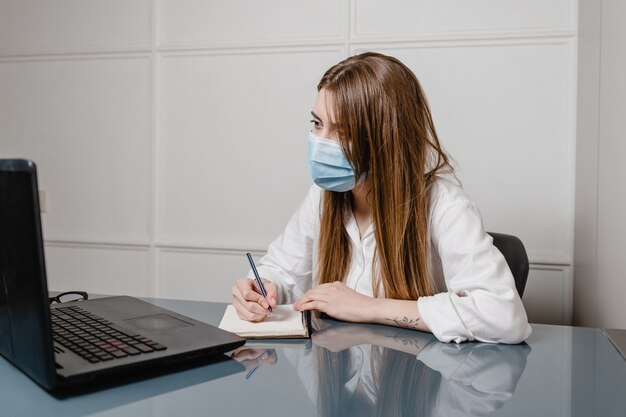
(25,330)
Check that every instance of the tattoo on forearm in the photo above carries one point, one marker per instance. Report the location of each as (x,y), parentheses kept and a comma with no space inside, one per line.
(405,322)
(406,341)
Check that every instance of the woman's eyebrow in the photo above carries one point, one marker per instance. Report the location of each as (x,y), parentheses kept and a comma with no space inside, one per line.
(316,116)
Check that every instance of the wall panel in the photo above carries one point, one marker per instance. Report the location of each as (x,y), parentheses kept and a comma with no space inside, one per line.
(261,21)
(200,275)
(171,134)
(407,18)
(232,165)
(35,25)
(99,270)
(86,123)
(611,224)
(510,138)
(548,295)
(587,149)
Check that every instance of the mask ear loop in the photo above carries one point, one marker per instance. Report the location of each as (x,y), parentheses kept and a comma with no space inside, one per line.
(361,179)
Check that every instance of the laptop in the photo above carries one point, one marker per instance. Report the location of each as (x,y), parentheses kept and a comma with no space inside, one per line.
(71,345)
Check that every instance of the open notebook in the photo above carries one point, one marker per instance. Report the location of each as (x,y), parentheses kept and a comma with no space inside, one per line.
(284,322)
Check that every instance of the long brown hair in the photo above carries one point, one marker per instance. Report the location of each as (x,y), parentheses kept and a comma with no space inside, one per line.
(384,125)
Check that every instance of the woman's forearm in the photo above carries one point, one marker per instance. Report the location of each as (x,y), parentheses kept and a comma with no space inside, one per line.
(399,313)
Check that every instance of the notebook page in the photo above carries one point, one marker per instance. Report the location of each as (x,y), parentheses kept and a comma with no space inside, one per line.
(283,322)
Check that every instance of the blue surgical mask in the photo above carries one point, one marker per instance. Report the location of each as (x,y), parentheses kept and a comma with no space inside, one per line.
(328,165)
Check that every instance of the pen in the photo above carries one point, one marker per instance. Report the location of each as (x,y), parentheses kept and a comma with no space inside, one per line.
(258,279)
(249,374)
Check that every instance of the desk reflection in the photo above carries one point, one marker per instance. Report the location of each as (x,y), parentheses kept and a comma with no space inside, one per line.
(370,370)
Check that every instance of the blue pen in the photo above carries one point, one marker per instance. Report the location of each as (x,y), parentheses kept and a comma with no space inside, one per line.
(258,278)
(249,374)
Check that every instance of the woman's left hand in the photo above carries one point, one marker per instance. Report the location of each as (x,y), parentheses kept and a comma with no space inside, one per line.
(338,301)
(342,336)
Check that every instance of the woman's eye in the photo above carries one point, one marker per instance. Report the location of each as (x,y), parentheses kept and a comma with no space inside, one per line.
(316,123)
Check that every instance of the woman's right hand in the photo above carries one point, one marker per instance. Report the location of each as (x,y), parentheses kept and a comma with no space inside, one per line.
(250,303)
(252,358)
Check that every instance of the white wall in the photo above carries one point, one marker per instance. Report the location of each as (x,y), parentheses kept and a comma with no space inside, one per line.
(601,199)
(170,135)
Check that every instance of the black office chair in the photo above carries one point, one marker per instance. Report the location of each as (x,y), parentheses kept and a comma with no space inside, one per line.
(515,254)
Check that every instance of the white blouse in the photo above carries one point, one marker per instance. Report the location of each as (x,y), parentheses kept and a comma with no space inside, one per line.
(476,297)
(476,378)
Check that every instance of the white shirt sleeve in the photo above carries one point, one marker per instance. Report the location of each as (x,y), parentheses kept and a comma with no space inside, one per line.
(289,258)
(481,302)
(477,378)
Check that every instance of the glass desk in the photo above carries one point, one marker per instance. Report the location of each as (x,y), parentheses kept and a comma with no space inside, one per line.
(361,370)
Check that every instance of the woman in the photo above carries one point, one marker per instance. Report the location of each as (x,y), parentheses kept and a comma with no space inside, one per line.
(383,237)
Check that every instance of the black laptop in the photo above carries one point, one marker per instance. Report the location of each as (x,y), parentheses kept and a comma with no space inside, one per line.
(70,345)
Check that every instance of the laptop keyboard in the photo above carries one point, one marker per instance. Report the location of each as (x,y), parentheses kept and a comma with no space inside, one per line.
(96,339)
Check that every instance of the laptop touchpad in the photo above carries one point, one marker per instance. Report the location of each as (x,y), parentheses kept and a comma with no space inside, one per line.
(157,322)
